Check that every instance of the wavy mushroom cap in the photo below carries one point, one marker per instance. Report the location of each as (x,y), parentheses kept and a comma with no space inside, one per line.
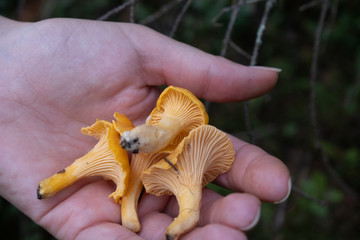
(206,153)
(106,159)
(122,123)
(177,112)
(180,103)
(203,155)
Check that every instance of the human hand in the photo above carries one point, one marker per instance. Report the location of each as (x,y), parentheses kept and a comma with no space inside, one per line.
(62,74)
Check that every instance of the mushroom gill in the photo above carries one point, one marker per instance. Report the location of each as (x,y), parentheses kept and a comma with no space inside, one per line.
(177,112)
(201,156)
(106,159)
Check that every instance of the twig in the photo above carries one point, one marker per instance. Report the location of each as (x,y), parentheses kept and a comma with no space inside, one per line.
(260,32)
(230,27)
(239,50)
(179,18)
(308,5)
(333,12)
(306,196)
(226,40)
(228,9)
(163,10)
(312,105)
(132,11)
(117,10)
(254,56)
(314,72)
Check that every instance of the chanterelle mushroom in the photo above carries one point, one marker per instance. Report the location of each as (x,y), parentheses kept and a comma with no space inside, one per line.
(206,153)
(106,159)
(122,123)
(129,202)
(177,112)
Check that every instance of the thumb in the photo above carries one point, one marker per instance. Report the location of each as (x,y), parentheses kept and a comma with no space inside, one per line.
(207,76)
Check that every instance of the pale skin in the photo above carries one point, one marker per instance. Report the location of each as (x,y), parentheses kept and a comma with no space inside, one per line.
(62,74)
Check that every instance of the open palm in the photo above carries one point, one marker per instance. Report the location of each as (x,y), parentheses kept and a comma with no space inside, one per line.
(63,74)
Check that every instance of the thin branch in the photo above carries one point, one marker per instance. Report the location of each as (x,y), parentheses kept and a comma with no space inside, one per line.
(228,9)
(314,72)
(312,105)
(239,50)
(222,12)
(308,5)
(254,56)
(117,10)
(163,10)
(132,11)
(226,40)
(260,32)
(306,196)
(230,27)
(179,18)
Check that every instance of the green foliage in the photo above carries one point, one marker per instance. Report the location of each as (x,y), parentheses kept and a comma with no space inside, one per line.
(221,190)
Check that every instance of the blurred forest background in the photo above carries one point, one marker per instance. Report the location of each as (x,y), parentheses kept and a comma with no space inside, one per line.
(310,120)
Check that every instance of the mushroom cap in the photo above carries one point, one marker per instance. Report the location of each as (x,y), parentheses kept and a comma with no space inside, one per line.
(97,130)
(106,159)
(122,123)
(104,153)
(179,103)
(201,156)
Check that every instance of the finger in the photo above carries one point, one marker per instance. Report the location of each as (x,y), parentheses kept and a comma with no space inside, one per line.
(151,203)
(239,211)
(107,231)
(215,232)
(86,207)
(172,207)
(154,225)
(207,76)
(256,172)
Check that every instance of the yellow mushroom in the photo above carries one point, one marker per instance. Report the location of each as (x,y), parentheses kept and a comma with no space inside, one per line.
(177,112)
(122,123)
(106,159)
(206,153)
(129,203)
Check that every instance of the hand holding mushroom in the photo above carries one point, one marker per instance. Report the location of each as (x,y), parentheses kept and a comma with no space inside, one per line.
(69,79)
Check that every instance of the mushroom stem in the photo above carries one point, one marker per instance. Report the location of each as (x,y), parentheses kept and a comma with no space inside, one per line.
(189,200)
(129,204)
(99,161)
(148,138)
(50,186)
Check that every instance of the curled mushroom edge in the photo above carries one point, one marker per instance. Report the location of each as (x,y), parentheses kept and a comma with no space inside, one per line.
(106,159)
(206,153)
(177,112)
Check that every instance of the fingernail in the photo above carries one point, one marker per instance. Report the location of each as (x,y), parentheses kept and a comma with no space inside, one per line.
(287,195)
(254,222)
(267,68)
